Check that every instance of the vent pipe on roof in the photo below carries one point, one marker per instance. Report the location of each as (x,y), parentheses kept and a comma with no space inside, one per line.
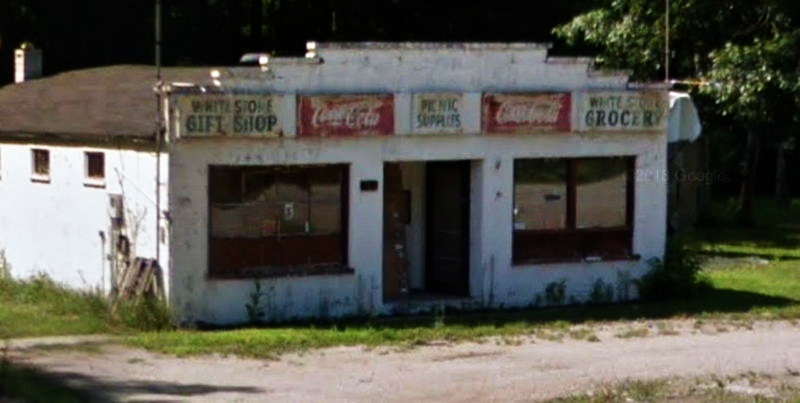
(27,63)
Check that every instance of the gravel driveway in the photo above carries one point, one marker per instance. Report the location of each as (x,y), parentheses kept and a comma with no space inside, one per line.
(496,370)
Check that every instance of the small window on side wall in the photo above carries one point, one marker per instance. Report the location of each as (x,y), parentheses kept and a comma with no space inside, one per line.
(95,169)
(40,165)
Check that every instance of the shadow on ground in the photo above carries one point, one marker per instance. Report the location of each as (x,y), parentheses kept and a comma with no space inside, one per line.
(26,383)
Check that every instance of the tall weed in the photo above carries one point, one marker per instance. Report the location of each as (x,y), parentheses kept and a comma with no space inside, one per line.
(676,276)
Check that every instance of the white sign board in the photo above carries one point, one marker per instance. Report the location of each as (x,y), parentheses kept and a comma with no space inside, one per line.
(234,115)
(623,111)
(437,113)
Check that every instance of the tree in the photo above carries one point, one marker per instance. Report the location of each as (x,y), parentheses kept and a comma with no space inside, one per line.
(759,85)
(747,51)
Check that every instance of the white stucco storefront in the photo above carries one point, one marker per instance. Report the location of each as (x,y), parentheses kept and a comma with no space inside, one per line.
(488,106)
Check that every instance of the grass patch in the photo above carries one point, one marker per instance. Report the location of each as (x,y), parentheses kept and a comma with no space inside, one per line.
(628,391)
(632,332)
(776,235)
(749,387)
(40,307)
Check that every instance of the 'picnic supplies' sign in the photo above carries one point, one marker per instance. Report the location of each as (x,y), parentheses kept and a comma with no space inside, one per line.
(345,115)
(526,112)
(437,113)
(623,111)
(229,115)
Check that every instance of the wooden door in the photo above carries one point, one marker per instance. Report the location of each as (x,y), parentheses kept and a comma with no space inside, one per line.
(395,217)
(447,221)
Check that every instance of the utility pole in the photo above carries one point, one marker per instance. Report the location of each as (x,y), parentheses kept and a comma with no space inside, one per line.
(159,133)
(666,42)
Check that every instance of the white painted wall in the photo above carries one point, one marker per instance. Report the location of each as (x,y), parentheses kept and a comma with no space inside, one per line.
(494,281)
(55,227)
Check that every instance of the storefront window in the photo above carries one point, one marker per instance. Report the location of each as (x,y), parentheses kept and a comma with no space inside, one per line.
(540,194)
(601,192)
(267,218)
(572,209)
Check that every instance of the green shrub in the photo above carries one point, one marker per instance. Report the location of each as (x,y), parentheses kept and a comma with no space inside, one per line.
(143,313)
(555,293)
(255,304)
(602,293)
(676,276)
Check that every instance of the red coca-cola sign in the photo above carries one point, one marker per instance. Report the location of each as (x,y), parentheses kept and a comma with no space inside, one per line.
(345,115)
(525,113)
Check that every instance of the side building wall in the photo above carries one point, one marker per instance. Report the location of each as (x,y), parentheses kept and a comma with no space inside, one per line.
(61,227)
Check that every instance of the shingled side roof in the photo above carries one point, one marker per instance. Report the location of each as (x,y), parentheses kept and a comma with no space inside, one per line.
(114,101)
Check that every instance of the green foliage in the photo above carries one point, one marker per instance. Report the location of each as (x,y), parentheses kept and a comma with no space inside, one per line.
(602,293)
(630,33)
(254,305)
(624,283)
(144,313)
(676,276)
(629,39)
(758,83)
(555,293)
(439,316)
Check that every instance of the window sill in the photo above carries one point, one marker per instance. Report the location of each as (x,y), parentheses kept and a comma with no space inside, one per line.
(621,258)
(40,178)
(94,183)
(283,272)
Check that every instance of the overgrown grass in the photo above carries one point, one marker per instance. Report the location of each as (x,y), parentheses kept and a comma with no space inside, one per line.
(739,290)
(39,306)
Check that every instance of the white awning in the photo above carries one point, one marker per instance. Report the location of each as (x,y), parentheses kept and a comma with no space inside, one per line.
(684,123)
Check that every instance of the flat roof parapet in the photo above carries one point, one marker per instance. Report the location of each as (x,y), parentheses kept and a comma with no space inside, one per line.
(466,46)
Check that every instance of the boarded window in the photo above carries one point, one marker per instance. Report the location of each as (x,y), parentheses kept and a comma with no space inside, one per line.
(95,166)
(276,218)
(601,192)
(572,209)
(40,164)
(540,194)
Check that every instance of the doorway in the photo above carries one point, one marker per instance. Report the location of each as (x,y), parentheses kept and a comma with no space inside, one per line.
(426,230)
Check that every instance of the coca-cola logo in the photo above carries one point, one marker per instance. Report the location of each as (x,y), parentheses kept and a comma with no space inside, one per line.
(357,115)
(544,109)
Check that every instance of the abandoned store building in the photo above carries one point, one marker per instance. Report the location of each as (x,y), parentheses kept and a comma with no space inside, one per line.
(363,178)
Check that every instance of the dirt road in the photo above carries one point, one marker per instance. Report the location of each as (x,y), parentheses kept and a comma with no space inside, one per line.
(495,370)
